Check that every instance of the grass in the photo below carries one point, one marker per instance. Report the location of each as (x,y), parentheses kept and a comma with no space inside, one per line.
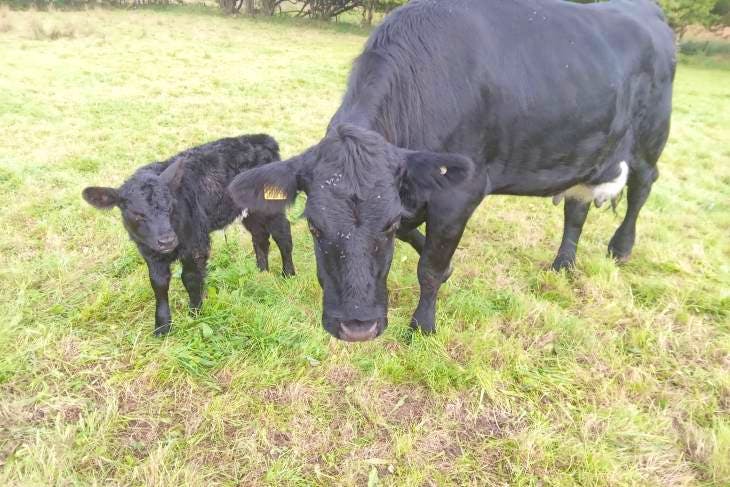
(609,376)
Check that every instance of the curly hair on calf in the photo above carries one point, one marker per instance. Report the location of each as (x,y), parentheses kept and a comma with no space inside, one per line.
(170,208)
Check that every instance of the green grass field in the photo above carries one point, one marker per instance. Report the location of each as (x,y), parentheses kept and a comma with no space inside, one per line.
(610,376)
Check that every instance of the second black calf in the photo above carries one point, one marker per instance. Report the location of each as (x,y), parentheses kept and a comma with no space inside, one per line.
(170,208)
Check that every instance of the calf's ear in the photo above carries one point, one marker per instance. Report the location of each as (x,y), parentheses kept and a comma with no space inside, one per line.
(267,189)
(426,172)
(102,198)
(172,175)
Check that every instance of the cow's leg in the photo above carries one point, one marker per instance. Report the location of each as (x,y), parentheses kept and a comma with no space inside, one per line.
(575,212)
(417,240)
(280,230)
(256,225)
(414,238)
(445,225)
(640,182)
(193,276)
(160,279)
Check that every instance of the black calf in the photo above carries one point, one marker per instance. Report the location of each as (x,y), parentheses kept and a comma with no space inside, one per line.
(170,208)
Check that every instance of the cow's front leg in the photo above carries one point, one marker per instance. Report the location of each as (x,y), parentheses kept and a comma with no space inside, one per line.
(194,268)
(444,229)
(417,240)
(160,280)
(414,238)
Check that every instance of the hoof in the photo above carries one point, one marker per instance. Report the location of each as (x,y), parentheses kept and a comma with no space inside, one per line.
(621,256)
(563,262)
(162,330)
(424,328)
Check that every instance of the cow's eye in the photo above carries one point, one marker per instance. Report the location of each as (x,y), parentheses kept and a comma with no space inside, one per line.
(137,217)
(315,231)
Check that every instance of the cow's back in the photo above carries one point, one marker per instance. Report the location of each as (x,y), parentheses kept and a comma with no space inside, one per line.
(210,168)
(523,86)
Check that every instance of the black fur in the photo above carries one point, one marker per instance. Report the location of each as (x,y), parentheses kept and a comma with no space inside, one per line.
(535,96)
(170,208)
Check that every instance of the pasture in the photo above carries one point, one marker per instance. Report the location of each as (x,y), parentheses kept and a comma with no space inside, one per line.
(606,376)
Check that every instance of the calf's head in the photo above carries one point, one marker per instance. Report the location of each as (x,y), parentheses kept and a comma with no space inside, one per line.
(146,202)
(354,181)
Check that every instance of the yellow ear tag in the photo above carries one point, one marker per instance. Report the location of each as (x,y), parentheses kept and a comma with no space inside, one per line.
(443,170)
(274,193)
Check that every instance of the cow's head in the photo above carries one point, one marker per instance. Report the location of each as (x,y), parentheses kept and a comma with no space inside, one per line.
(146,202)
(354,180)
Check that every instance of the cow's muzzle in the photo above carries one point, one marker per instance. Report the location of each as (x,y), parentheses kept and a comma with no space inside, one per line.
(360,331)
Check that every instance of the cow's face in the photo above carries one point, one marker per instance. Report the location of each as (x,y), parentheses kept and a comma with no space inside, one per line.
(146,203)
(353,233)
(353,180)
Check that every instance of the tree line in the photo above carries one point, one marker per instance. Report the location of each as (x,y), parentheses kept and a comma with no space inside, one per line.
(315,9)
(681,13)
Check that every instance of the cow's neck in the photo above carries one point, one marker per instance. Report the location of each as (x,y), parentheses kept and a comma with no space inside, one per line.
(380,97)
(378,115)
(354,115)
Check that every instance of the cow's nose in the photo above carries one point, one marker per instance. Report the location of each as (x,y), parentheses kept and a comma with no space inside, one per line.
(358,331)
(167,241)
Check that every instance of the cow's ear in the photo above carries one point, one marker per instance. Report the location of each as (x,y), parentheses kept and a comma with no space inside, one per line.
(267,189)
(426,172)
(102,198)
(172,175)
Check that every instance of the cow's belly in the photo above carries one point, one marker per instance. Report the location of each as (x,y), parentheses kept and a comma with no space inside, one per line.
(581,160)
(597,193)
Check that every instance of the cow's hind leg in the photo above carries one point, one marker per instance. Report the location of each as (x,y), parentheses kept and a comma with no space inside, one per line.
(575,212)
(641,179)
(256,225)
(194,267)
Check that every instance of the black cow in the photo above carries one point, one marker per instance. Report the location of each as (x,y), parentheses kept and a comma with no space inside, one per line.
(452,101)
(170,208)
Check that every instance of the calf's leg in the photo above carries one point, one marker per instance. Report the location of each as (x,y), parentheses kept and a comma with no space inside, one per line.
(256,225)
(280,230)
(160,279)
(641,179)
(193,276)
(575,212)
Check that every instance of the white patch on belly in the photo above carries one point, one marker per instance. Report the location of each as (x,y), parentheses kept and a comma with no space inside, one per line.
(600,193)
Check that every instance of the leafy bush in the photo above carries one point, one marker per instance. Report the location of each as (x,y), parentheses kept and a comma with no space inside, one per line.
(722,12)
(683,13)
(705,48)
